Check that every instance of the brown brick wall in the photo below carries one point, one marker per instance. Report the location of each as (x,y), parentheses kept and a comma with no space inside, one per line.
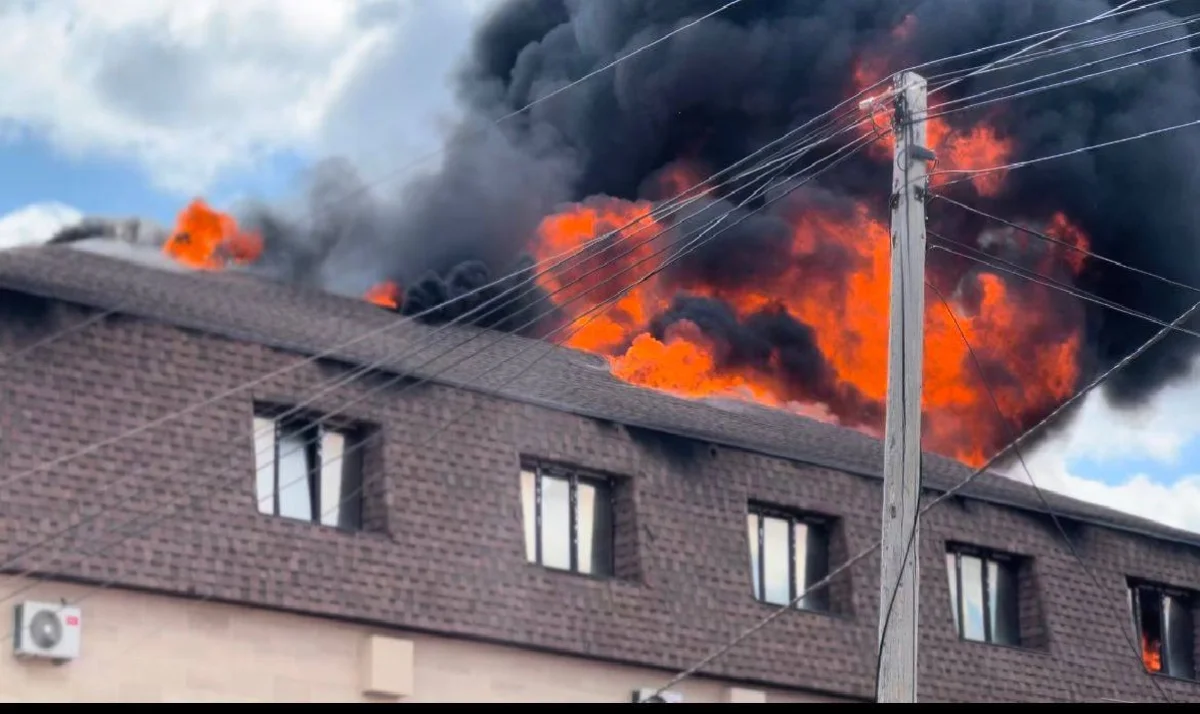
(451,558)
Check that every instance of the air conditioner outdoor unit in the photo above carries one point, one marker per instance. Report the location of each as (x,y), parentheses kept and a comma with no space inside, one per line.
(647,696)
(47,631)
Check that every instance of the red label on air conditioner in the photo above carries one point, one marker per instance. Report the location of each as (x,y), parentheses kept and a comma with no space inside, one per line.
(72,620)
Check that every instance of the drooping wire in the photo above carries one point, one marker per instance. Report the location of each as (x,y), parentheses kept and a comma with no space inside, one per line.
(1007,266)
(824,582)
(968,174)
(1040,235)
(556,261)
(982,374)
(1057,85)
(1091,43)
(1053,35)
(693,244)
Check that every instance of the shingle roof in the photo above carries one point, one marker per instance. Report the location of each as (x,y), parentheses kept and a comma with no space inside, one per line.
(310,322)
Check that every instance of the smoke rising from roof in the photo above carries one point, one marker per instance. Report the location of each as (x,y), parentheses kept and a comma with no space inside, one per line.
(727,87)
(731,84)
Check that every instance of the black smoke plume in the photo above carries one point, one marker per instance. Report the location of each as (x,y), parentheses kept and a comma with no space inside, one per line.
(730,85)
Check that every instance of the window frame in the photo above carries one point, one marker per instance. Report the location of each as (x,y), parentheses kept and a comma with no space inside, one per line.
(1008,561)
(312,429)
(822,524)
(1181,597)
(604,486)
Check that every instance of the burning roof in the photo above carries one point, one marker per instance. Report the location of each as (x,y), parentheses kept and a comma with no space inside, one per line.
(309,322)
(787,309)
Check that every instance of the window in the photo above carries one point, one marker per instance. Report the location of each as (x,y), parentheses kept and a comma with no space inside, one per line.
(983,596)
(1163,618)
(788,555)
(309,471)
(568,520)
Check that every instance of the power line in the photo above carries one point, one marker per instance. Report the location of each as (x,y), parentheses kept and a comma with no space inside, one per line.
(693,244)
(187,410)
(56,335)
(627,269)
(968,173)
(895,589)
(1115,13)
(100,316)
(1071,47)
(793,155)
(1018,165)
(1108,14)
(1057,32)
(982,374)
(824,582)
(1059,242)
(367,368)
(1063,83)
(566,255)
(661,39)
(1045,281)
(546,97)
(614,63)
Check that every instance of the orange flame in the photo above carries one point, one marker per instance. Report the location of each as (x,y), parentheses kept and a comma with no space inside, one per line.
(207,239)
(210,240)
(980,147)
(1151,654)
(1008,327)
(385,294)
(595,276)
(1030,352)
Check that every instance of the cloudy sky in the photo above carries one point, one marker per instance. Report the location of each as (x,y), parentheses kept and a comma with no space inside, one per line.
(132,107)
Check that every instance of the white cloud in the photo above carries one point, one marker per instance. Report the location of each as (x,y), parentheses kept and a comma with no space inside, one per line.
(189,89)
(35,223)
(390,115)
(1155,433)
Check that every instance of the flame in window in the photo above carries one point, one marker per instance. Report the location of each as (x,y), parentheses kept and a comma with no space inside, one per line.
(1151,653)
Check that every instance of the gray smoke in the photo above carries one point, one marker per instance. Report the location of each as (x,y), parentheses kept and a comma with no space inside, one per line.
(727,87)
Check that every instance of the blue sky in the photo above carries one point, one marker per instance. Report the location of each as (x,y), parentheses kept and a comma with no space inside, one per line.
(35,172)
(134,108)
(1116,470)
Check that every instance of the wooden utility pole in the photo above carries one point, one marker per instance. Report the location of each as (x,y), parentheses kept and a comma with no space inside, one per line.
(898,584)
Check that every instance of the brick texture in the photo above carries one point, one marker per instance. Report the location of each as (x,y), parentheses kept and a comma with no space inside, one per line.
(172,508)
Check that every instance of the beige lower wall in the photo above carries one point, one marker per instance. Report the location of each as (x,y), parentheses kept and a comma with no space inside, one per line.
(147,648)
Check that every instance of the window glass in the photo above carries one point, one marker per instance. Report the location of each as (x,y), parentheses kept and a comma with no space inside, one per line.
(264,464)
(972,597)
(333,486)
(752,536)
(595,529)
(295,499)
(952,570)
(529,513)
(1179,638)
(815,565)
(776,561)
(556,522)
(1150,621)
(1003,606)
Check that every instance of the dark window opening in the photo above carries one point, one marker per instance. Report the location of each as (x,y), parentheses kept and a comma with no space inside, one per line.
(568,520)
(789,554)
(308,470)
(983,596)
(1163,618)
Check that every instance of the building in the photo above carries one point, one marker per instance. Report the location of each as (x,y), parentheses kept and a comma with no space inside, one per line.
(412,573)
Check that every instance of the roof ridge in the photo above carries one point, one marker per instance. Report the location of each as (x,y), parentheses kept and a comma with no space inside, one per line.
(272,315)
